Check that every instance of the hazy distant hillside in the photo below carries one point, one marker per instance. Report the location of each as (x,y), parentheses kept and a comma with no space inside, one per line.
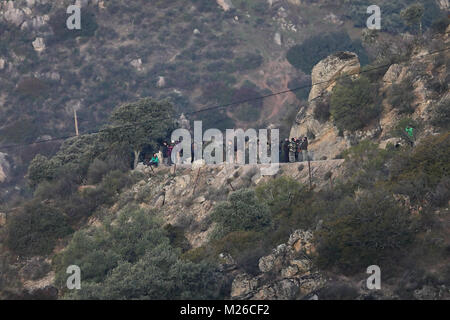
(197,53)
(192,51)
(375,193)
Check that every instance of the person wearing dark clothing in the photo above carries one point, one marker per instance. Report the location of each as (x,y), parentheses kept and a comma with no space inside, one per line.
(180,153)
(285,151)
(164,152)
(292,150)
(410,132)
(297,148)
(169,152)
(304,148)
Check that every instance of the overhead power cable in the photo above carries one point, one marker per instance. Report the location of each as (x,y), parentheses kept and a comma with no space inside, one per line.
(216,107)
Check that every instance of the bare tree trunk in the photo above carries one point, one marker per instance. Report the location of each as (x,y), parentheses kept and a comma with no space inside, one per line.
(136,158)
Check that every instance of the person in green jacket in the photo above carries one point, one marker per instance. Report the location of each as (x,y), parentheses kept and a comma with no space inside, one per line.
(410,132)
(154,161)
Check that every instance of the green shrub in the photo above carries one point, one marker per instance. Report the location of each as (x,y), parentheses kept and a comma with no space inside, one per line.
(399,129)
(132,259)
(249,61)
(419,171)
(115,181)
(441,195)
(354,104)
(246,248)
(280,193)
(401,96)
(9,277)
(242,212)
(177,237)
(96,171)
(98,251)
(441,114)
(322,110)
(157,275)
(364,230)
(367,160)
(59,189)
(79,152)
(40,170)
(36,229)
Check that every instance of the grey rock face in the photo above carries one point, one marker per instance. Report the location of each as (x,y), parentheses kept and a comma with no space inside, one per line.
(291,271)
(326,140)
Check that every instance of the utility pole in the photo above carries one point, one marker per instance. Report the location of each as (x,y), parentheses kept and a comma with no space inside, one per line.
(309,169)
(196,179)
(76,121)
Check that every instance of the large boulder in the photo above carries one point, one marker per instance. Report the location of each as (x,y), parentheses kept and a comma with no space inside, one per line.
(13,15)
(39,44)
(287,273)
(325,140)
(330,69)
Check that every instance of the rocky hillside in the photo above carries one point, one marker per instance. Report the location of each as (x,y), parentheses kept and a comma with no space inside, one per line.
(424,77)
(200,187)
(197,54)
(373,194)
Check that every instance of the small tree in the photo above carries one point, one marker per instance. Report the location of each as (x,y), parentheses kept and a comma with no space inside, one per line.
(354,104)
(140,124)
(40,169)
(242,212)
(370,228)
(36,229)
(413,15)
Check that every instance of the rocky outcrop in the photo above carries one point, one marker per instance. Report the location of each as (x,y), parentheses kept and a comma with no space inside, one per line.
(11,14)
(188,195)
(325,140)
(423,73)
(443,4)
(225,4)
(4,167)
(161,83)
(22,14)
(330,69)
(287,273)
(39,44)
(334,19)
(137,64)
(277,39)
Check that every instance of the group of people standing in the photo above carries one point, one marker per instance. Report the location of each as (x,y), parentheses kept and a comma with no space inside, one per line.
(294,150)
